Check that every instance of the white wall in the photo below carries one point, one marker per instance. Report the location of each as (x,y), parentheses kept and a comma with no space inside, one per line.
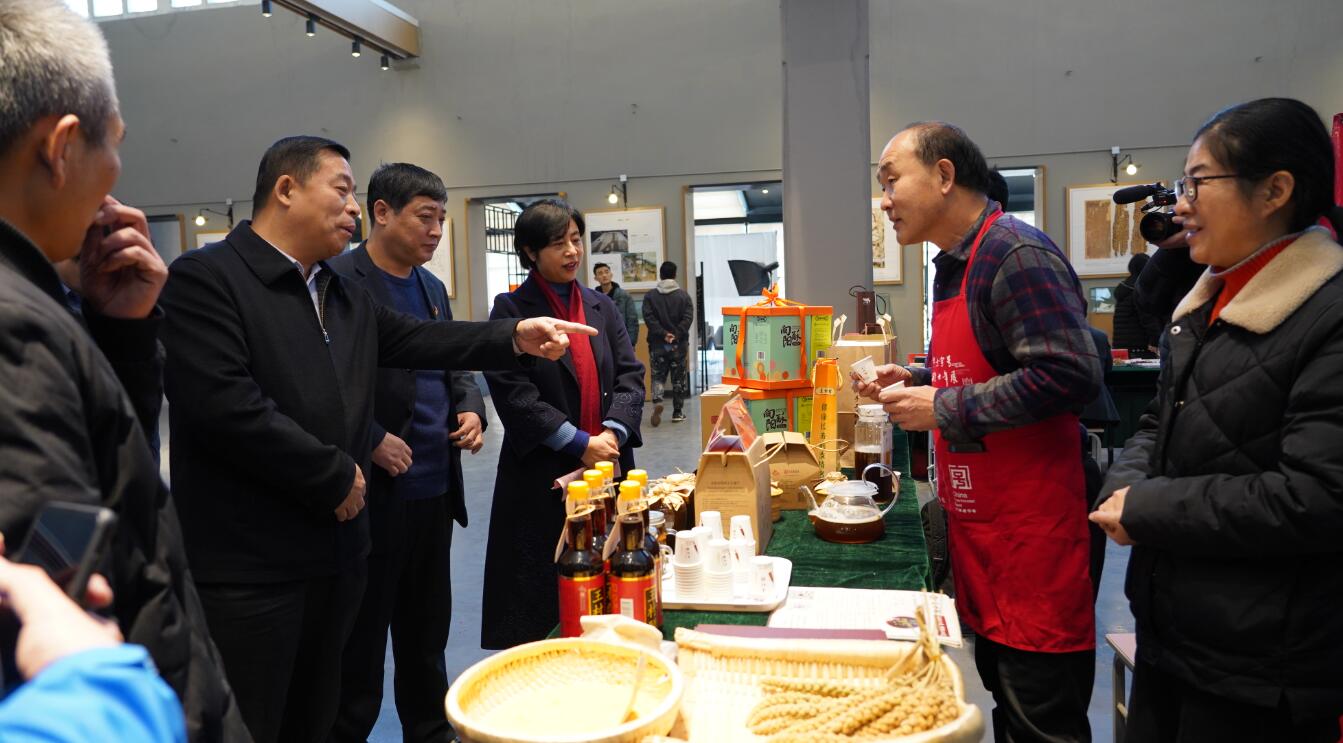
(527,96)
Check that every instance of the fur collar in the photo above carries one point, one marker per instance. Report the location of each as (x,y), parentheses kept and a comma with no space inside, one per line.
(1279,288)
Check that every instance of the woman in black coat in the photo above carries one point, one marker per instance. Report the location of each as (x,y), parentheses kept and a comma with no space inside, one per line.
(558,416)
(1232,490)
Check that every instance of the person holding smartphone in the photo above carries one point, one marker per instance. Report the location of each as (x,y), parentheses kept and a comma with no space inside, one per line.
(75,389)
(82,683)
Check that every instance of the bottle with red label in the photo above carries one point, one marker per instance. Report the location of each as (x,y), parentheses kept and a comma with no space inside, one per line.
(602,517)
(633,591)
(582,576)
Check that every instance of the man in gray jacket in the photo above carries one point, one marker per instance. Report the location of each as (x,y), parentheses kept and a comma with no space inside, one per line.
(668,313)
(608,286)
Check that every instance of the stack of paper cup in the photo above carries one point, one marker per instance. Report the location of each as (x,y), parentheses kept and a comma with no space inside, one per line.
(764,577)
(713,520)
(688,569)
(718,571)
(743,552)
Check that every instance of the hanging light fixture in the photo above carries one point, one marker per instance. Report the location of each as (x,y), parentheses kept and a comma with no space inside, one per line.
(312,25)
(355,48)
(265,9)
(386,62)
(613,197)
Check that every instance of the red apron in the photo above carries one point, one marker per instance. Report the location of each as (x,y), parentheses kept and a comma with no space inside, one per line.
(1017,522)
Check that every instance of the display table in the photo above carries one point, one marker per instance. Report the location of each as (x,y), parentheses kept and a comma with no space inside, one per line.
(1132,388)
(898,561)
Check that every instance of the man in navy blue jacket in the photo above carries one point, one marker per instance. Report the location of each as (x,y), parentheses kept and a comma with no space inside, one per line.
(422,420)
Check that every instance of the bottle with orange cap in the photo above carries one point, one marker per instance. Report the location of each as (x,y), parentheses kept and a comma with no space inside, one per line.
(602,510)
(632,501)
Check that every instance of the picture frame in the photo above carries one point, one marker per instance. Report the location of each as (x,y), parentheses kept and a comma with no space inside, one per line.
(444,264)
(634,238)
(204,238)
(1102,235)
(888,255)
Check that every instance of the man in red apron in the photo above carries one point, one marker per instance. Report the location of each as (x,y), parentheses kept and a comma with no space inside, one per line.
(1010,363)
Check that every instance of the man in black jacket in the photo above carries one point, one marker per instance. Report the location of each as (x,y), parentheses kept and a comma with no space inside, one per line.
(270,374)
(71,418)
(422,420)
(668,313)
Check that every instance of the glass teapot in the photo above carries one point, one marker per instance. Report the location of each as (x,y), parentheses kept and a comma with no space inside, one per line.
(850,514)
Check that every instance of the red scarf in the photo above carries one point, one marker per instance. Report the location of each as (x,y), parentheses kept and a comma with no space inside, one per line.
(580,351)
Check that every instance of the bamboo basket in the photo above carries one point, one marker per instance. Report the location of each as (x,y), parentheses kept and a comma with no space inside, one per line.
(521,678)
(723,681)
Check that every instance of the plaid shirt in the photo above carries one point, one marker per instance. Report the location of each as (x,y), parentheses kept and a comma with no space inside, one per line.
(1029,317)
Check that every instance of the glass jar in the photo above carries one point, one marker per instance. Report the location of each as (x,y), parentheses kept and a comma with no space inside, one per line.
(872,445)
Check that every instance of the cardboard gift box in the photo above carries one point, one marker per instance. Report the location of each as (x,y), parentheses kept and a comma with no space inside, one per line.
(771,345)
(779,410)
(736,482)
(792,464)
(711,403)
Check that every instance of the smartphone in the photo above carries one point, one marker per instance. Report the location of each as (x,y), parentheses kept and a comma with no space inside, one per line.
(68,540)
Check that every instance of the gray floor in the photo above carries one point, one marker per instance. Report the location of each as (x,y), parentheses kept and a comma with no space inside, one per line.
(665,449)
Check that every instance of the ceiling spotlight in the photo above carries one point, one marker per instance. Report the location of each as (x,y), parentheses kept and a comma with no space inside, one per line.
(386,62)
(354,47)
(200,220)
(265,8)
(613,197)
(312,25)
(764,190)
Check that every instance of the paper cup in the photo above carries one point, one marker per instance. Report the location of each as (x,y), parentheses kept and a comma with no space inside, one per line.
(764,576)
(687,552)
(865,368)
(741,528)
(718,558)
(713,520)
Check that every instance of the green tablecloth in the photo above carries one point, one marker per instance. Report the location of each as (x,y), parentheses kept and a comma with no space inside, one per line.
(898,561)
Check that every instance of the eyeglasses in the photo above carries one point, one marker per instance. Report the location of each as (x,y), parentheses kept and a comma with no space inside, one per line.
(1187,187)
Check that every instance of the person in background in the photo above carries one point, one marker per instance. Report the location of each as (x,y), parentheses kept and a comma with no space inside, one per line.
(998,190)
(668,313)
(1011,364)
(272,366)
(559,416)
(82,684)
(422,421)
(1135,329)
(1229,491)
(79,392)
(624,303)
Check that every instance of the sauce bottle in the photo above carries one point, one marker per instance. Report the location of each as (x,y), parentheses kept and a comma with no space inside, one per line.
(602,516)
(632,589)
(582,579)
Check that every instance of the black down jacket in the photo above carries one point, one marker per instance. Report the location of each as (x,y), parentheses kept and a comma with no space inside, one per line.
(1236,490)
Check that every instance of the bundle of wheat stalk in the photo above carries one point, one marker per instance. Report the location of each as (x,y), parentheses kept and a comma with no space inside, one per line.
(918,695)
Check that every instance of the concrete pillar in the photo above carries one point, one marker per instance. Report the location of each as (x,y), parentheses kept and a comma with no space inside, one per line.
(827,187)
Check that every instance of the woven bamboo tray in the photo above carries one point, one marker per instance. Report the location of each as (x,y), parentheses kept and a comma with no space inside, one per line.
(504,698)
(722,676)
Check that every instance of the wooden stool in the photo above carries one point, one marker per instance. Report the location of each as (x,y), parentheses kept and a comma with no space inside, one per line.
(1125,646)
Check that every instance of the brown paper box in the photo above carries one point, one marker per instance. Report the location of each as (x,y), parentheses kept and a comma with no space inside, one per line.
(792,464)
(710,405)
(735,483)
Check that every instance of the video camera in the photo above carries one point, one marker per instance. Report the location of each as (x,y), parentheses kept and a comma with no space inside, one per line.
(1158,222)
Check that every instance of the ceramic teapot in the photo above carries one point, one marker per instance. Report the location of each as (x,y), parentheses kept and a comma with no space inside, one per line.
(850,514)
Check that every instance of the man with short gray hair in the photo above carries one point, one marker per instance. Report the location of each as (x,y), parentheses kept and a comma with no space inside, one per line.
(70,416)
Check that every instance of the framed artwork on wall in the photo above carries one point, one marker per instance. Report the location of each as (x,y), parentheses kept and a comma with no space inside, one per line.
(1102,235)
(887,254)
(443,265)
(633,242)
(205,238)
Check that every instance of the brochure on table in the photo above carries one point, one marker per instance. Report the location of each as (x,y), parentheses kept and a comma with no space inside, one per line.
(892,612)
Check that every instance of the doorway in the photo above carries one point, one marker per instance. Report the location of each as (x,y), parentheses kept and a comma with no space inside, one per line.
(736,251)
